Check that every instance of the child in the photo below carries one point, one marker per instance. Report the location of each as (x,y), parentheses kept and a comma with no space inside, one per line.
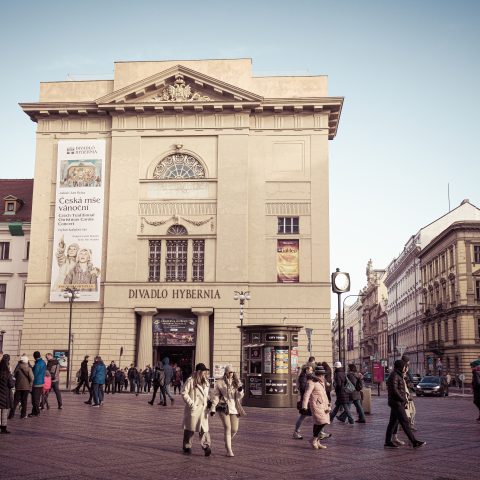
(47,385)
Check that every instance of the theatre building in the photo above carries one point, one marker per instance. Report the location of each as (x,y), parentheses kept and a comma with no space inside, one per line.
(160,193)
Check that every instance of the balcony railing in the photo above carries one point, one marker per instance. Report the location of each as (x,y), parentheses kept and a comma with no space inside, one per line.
(436,345)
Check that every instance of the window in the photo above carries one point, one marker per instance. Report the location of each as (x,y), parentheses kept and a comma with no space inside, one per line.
(3,294)
(455,334)
(177,230)
(444,263)
(154,260)
(477,289)
(478,327)
(198,262)
(287,224)
(176,261)
(27,253)
(10,207)
(4,250)
(446,330)
(179,165)
(452,258)
(476,253)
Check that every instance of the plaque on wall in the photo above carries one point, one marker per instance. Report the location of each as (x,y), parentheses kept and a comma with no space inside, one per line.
(276,387)
(174,331)
(276,337)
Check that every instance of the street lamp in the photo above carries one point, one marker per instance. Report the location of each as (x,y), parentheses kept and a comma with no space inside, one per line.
(71,295)
(241,297)
(340,284)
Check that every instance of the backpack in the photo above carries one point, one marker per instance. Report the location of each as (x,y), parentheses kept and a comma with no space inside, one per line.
(349,386)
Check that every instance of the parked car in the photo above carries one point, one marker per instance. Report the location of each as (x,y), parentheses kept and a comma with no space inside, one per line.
(432,385)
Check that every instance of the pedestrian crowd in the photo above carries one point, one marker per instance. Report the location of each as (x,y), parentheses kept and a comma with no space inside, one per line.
(315,385)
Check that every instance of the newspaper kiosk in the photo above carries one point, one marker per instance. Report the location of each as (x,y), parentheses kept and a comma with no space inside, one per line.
(270,365)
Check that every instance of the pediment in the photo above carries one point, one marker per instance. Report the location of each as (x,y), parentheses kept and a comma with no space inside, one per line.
(179,85)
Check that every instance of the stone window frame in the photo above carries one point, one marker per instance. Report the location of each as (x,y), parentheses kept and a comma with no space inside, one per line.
(4,250)
(3,295)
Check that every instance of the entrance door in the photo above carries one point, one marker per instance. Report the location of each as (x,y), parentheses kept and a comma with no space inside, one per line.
(183,357)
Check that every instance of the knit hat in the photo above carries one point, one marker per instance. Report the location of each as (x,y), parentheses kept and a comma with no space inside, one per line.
(24,359)
(337,365)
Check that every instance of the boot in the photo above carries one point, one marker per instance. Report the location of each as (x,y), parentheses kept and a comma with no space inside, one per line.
(314,443)
(4,429)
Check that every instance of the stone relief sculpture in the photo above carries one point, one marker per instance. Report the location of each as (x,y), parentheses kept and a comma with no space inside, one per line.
(179,92)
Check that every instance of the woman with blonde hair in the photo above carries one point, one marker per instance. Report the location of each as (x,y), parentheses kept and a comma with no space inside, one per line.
(226,400)
(195,416)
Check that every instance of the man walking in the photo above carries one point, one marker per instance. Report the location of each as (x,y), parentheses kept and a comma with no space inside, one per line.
(397,401)
(343,397)
(83,381)
(54,368)
(38,381)
(168,380)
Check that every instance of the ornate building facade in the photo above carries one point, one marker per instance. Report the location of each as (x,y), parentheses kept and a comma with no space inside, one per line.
(450,269)
(15,213)
(201,180)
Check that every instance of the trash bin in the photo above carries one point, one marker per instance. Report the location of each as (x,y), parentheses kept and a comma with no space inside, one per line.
(367,400)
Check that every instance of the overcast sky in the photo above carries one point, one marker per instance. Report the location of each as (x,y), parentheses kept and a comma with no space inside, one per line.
(409,72)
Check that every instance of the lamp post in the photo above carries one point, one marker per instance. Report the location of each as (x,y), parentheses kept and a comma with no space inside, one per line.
(241,297)
(340,284)
(343,319)
(71,295)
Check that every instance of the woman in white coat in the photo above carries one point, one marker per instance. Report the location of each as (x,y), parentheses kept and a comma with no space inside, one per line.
(226,401)
(195,416)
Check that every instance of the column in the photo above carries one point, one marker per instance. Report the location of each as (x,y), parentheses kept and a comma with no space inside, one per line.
(202,349)
(145,344)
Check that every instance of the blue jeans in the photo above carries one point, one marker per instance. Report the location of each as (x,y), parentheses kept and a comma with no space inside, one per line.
(166,391)
(345,413)
(359,408)
(97,393)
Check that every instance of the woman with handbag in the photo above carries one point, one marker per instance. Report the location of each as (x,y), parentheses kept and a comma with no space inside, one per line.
(195,416)
(306,373)
(227,397)
(316,400)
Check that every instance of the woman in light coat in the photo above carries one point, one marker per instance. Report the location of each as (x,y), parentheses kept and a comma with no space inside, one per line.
(316,398)
(195,416)
(226,400)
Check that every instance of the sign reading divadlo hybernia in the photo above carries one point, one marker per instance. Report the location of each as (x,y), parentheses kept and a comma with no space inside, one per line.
(78,231)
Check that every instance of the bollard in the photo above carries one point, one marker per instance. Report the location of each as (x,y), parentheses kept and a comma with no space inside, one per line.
(367,400)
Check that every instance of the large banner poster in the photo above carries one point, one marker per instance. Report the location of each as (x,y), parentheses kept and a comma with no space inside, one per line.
(78,230)
(287,261)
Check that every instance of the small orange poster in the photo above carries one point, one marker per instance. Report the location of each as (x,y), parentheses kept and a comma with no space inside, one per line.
(287,261)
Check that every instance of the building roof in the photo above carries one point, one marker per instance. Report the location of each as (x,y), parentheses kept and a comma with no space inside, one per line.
(22,190)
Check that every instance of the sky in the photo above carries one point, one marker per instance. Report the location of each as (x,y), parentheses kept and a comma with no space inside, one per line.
(409,72)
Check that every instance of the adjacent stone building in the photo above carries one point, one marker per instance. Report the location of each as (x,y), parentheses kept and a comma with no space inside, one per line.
(450,269)
(15,213)
(213,181)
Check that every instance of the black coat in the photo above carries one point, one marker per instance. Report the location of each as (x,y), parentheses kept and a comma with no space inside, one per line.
(396,388)
(84,371)
(339,381)
(6,385)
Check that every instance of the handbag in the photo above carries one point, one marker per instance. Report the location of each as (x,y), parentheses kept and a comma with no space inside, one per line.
(222,406)
(349,386)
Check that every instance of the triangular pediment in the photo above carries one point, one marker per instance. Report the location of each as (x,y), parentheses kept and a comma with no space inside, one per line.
(179,84)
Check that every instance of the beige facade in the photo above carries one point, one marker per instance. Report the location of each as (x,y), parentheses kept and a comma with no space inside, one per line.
(353,336)
(256,150)
(450,269)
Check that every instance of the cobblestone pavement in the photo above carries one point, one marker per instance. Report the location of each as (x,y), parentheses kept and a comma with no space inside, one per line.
(129,439)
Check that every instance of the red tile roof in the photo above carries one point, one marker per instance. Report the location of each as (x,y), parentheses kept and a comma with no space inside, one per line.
(22,189)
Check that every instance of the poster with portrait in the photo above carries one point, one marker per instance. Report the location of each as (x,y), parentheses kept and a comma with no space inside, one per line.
(287,261)
(78,227)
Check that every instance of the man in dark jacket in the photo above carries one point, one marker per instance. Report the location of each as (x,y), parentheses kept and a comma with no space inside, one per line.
(476,388)
(343,397)
(355,397)
(38,381)
(397,401)
(131,377)
(83,380)
(54,368)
